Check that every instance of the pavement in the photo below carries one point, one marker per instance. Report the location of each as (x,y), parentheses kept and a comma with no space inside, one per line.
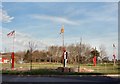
(35,79)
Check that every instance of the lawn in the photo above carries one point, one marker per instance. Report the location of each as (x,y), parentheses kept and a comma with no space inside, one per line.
(43,68)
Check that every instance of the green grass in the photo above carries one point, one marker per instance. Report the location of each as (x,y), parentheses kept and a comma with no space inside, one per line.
(45,72)
(49,69)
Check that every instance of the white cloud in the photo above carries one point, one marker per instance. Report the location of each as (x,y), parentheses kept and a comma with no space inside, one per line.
(104,13)
(4,17)
(20,43)
(54,19)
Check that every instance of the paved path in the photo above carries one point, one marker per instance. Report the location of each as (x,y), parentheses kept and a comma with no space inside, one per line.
(61,79)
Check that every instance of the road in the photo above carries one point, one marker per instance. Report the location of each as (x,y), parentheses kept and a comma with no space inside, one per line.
(11,79)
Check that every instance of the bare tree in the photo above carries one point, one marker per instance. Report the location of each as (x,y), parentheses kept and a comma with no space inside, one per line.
(55,53)
(32,47)
(103,52)
(19,56)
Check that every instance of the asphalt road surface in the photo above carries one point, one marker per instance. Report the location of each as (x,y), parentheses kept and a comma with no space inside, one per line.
(16,79)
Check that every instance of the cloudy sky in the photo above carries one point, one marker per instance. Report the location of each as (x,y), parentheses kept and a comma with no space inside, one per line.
(95,22)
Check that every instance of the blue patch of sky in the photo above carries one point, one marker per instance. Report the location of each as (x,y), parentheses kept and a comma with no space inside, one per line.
(55,8)
(21,12)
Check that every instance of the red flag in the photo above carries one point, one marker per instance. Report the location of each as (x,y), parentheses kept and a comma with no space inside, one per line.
(94,60)
(11,33)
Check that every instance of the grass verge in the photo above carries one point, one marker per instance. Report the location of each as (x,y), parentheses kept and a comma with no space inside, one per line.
(48,72)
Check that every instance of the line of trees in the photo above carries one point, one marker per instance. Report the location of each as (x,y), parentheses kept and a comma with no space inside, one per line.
(76,53)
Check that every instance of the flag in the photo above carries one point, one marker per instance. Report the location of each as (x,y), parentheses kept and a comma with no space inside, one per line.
(114,51)
(62,30)
(114,56)
(114,45)
(11,33)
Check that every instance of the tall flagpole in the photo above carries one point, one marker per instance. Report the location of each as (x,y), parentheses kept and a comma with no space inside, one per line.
(114,53)
(12,34)
(62,32)
(80,51)
(12,56)
(13,41)
(63,38)
(63,44)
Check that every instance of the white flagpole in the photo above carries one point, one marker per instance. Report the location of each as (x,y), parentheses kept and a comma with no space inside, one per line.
(13,41)
(63,48)
(12,59)
(114,54)
(62,32)
(63,36)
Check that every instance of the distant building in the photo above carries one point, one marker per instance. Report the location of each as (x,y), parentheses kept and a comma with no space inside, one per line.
(4,57)
(4,60)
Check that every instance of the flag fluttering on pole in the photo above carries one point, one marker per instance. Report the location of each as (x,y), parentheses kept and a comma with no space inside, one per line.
(62,33)
(62,29)
(12,33)
(114,50)
(114,56)
(114,45)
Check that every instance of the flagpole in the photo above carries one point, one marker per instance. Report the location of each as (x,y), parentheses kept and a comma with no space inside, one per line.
(63,38)
(114,53)
(12,34)
(13,42)
(63,48)
(12,64)
(62,33)
(80,51)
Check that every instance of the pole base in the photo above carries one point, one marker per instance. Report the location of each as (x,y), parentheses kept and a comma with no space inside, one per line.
(63,69)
